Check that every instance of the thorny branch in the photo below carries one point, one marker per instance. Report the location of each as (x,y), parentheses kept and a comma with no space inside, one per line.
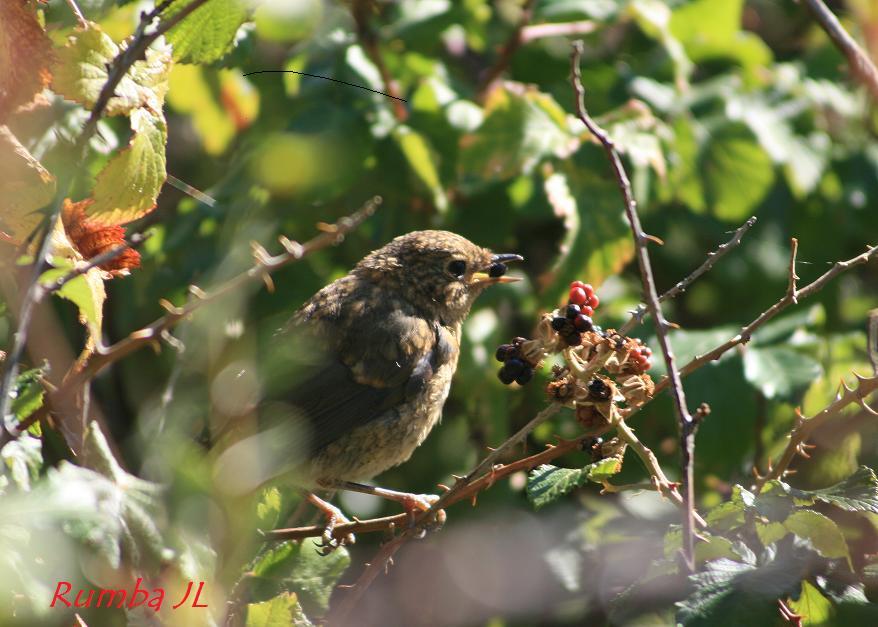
(747,332)
(264,265)
(712,257)
(806,426)
(861,64)
(261,270)
(687,424)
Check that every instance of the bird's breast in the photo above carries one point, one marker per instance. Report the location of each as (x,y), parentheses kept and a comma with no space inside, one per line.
(389,440)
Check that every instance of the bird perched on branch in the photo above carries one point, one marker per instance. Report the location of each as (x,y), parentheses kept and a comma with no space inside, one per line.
(390,336)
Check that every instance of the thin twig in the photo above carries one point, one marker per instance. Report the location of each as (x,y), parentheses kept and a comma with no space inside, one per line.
(80,18)
(747,332)
(860,63)
(792,294)
(712,257)
(685,421)
(557,29)
(361,10)
(509,48)
(401,521)
(806,426)
(264,265)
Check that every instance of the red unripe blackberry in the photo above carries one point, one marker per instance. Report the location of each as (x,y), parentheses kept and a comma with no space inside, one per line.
(593,301)
(578,296)
(588,289)
(577,284)
(588,311)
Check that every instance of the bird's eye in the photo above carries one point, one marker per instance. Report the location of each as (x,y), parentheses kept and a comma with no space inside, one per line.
(457,267)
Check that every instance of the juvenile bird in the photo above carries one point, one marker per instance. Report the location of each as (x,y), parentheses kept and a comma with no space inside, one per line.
(390,336)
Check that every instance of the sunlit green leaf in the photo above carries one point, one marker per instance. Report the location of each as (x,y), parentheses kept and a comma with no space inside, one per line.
(28,393)
(422,160)
(281,611)
(522,127)
(81,72)
(820,530)
(548,483)
(779,372)
(813,607)
(736,172)
(596,241)
(129,184)
(207,33)
(857,493)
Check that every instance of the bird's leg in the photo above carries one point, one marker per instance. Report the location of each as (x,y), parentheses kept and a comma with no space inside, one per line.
(412,503)
(333,516)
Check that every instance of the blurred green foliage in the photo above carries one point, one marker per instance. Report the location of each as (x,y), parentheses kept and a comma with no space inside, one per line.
(722,109)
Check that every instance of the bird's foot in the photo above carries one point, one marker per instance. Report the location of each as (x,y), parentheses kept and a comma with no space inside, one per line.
(334,517)
(416,503)
(412,503)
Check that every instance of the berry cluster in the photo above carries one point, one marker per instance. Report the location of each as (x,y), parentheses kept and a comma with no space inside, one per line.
(515,367)
(581,303)
(640,357)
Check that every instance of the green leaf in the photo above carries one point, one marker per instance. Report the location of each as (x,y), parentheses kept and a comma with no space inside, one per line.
(779,372)
(596,241)
(207,33)
(281,611)
(735,172)
(813,607)
(25,187)
(782,328)
(522,127)
(268,508)
(86,291)
(730,514)
(22,460)
(820,530)
(857,493)
(28,393)
(729,593)
(81,72)
(129,184)
(710,29)
(300,567)
(548,483)
(654,19)
(423,161)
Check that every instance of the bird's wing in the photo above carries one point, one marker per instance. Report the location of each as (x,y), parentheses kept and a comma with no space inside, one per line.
(378,364)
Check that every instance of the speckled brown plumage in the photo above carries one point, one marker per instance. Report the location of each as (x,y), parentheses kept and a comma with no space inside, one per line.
(391,334)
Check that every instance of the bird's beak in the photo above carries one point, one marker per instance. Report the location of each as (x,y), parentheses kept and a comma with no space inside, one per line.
(496,271)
